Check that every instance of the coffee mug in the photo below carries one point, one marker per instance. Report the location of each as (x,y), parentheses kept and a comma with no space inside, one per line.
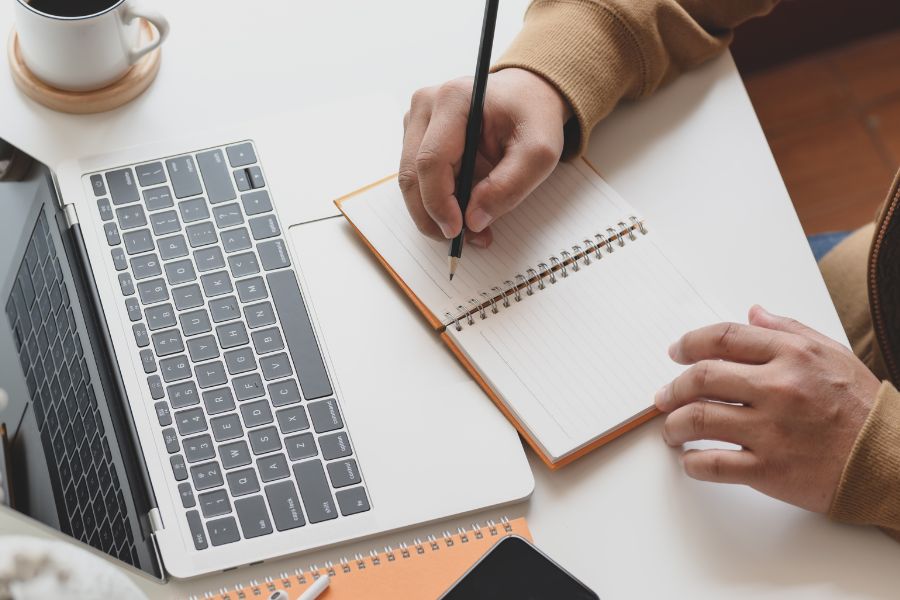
(83,45)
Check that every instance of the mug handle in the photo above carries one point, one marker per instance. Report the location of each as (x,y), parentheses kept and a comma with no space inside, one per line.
(156,18)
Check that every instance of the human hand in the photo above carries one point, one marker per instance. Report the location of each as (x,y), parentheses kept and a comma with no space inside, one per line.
(521,142)
(796,403)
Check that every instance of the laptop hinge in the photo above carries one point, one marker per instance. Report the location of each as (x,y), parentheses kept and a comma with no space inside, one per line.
(156,522)
(70,215)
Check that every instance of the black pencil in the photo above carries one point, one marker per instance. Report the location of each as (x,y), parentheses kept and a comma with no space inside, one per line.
(473,127)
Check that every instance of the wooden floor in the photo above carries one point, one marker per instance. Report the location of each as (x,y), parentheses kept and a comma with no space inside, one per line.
(833,122)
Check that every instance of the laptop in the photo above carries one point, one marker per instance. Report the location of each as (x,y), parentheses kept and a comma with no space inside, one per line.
(194,386)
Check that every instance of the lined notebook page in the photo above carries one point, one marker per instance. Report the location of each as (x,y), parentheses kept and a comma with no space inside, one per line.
(572,205)
(587,354)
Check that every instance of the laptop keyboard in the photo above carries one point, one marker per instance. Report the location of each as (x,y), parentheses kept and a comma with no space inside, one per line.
(91,505)
(246,410)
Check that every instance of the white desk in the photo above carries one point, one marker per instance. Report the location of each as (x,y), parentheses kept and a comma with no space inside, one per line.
(625,519)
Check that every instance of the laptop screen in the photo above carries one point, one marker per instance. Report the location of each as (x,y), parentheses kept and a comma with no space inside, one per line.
(62,463)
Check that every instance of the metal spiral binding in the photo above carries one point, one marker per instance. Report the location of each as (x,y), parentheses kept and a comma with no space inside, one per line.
(556,266)
(269,589)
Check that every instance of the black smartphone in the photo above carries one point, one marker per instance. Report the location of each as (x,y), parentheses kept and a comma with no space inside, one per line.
(513,569)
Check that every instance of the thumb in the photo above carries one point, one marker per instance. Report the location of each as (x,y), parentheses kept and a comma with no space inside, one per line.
(760,317)
(522,168)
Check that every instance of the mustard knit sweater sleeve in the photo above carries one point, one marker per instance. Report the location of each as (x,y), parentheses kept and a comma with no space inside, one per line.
(598,52)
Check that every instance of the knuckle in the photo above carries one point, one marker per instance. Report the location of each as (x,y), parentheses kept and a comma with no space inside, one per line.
(422,96)
(544,152)
(452,92)
(408,179)
(426,161)
(715,466)
(700,375)
(727,333)
(698,418)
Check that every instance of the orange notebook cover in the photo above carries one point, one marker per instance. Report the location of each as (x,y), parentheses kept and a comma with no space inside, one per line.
(420,570)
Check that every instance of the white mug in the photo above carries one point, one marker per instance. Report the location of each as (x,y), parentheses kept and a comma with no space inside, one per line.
(85,52)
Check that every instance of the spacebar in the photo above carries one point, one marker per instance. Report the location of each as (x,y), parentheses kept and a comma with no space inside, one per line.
(299,334)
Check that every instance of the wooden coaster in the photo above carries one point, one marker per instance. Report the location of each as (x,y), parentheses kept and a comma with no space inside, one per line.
(131,85)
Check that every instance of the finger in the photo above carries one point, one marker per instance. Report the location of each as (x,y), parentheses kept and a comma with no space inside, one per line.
(416,121)
(704,420)
(441,149)
(727,341)
(481,239)
(523,167)
(762,318)
(714,380)
(721,466)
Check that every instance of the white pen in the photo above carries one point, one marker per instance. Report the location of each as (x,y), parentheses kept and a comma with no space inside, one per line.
(316,589)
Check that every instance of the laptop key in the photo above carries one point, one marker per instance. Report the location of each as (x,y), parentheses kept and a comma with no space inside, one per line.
(162,414)
(234,455)
(181,271)
(273,254)
(157,390)
(300,446)
(256,202)
(264,227)
(264,440)
(134,309)
(105,209)
(253,516)
(259,315)
(144,266)
(196,527)
(285,505)
(199,448)
(232,334)
(172,247)
(244,264)
(242,482)
(201,234)
(206,476)
(352,501)
(224,309)
(215,176)
(344,473)
(256,177)
(158,198)
(216,284)
(186,492)
(283,392)
(292,420)
(167,342)
(228,215)
(131,216)
(315,491)
(138,241)
(118,257)
(187,296)
(209,259)
(272,468)
(150,174)
(275,366)
(235,240)
(97,185)
(223,531)
(148,361)
(242,180)
(193,210)
(203,348)
(183,394)
(256,413)
(227,427)
(240,361)
(335,445)
(325,415)
(248,387)
(170,438)
(179,469)
(267,340)
(251,289)
(298,333)
(141,337)
(165,222)
(175,368)
(160,316)
(112,234)
(218,401)
(215,503)
(194,322)
(122,186)
(153,291)
(183,175)
(241,155)
(210,374)
(190,421)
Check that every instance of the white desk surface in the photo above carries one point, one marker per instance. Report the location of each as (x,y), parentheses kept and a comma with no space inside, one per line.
(693,159)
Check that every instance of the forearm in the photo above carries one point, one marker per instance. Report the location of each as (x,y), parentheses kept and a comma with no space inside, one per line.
(869,492)
(598,52)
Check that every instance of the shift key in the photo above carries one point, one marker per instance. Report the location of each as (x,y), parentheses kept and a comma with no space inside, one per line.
(216,176)
(183,174)
(315,491)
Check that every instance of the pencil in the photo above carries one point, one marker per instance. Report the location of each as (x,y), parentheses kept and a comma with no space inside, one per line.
(473,127)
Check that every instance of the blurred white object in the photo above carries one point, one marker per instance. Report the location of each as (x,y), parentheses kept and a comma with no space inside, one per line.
(40,569)
(4,399)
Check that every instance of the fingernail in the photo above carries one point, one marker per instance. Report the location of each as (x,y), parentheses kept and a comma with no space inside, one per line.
(673,351)
(445,229)
(478,241)
(660,395)
(478,220)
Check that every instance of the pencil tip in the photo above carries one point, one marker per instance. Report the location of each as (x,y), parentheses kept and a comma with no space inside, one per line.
(451,276)
(454,263)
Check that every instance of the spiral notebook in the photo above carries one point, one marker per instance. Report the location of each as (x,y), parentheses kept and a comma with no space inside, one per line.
(564,320)
(420,570)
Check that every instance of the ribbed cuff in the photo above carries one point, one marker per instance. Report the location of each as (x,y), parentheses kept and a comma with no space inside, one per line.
(869,491)
(587,52)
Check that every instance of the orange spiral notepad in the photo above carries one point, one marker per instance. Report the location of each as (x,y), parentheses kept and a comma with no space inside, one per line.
(419,570)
